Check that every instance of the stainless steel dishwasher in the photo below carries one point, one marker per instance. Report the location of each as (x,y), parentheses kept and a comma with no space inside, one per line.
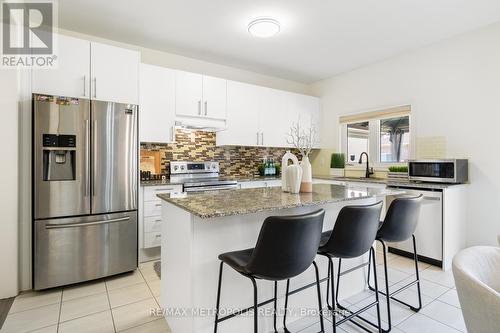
(429,232)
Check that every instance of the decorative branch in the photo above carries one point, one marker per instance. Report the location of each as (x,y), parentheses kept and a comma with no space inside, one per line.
(303,140)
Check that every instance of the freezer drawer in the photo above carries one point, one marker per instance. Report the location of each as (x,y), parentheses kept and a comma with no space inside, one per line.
(73,250)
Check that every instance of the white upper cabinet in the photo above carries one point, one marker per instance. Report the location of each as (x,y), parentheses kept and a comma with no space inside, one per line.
(71,78)
(214,97)
(274,120)
(157,104)
(115,74)
(90,70)
(200,96)
(243,101)
(259,116)
(189,94)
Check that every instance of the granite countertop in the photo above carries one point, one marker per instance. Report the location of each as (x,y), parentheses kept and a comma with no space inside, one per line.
(158,182)
(239,179)
(246,201)
(389,182)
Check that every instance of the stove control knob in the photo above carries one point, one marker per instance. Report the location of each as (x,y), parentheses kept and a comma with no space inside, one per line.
(176,167)
(182,167)
(214,166)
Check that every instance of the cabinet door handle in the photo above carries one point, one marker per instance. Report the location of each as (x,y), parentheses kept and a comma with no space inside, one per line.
(257,138)
(262,138)
(206,108)
(199,108)
(95,87)
(85,85)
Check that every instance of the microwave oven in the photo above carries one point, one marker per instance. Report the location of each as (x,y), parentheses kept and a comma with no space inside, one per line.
(452,171)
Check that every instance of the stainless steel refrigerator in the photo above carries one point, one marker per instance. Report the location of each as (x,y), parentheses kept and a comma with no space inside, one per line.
(85,183)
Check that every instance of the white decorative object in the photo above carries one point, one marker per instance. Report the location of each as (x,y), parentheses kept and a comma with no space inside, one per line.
(337,172)
(294,178)
(306,185)
(304,141)
(284,164)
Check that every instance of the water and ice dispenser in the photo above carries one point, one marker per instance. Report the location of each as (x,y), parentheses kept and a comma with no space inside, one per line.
(59,157)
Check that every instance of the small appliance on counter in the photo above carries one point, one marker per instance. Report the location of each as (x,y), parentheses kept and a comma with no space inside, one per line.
(451,171)
(147,175)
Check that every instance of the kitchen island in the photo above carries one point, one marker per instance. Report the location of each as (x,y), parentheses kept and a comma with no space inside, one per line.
(198,227)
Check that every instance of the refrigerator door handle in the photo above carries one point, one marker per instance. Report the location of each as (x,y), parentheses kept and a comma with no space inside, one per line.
(87,158)
(85,224)
(94,147)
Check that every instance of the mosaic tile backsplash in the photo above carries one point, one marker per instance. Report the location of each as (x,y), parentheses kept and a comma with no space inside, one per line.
(200,146)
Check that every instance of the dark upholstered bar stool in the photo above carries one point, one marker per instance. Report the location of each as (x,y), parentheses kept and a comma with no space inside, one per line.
(399,225)
(352,236)
(285,248)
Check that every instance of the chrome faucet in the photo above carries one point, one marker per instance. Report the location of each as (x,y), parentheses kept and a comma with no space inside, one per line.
(368,172)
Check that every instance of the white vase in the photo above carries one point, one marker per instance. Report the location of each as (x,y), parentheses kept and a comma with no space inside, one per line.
(284,164)
(306,185)
(294,178)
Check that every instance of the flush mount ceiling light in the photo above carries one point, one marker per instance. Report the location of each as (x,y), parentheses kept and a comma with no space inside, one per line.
(264,27)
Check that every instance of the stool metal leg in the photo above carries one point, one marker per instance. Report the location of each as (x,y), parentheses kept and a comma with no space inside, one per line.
(376,290)
(320,306)
(415,257)
(390,295)
(218,297)
(286,306)
(328,286)
(332,281)
(357,313)
(255,307)
(275,305)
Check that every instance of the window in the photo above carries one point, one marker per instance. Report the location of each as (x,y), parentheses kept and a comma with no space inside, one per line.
(357,140)
(395,139)
(385,135)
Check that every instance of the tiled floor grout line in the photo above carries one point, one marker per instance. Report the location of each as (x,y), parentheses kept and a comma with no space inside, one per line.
(110,309)
(437,299)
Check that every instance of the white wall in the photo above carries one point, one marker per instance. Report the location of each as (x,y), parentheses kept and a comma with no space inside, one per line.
(8,181)
(454,89)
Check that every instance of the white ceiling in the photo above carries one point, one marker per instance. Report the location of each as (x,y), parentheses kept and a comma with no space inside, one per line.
(318,38)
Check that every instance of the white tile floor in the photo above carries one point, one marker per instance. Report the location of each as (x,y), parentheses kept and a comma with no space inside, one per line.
(122,304)
(118,304)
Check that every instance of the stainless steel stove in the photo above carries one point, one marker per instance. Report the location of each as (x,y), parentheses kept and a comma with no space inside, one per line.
(200,176)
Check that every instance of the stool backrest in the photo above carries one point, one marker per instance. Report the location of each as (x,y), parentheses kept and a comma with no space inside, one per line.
(354,231)
(401,219)
(286,245)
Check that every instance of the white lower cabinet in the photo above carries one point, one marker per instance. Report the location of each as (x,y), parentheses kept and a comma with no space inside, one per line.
(150,219)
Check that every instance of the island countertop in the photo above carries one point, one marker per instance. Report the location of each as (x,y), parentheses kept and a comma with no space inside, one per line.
(246,201)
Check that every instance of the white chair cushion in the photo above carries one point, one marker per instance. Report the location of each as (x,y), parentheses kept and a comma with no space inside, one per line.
(477,278)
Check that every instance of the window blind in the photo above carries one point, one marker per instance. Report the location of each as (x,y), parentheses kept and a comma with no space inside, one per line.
(397,111)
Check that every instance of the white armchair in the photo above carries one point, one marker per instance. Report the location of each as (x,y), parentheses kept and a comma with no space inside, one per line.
(477,278)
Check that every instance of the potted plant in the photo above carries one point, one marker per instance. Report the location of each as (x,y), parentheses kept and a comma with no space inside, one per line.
(398,172)
(337,165)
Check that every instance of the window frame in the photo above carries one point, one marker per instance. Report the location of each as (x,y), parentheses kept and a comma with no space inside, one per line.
(374,141)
